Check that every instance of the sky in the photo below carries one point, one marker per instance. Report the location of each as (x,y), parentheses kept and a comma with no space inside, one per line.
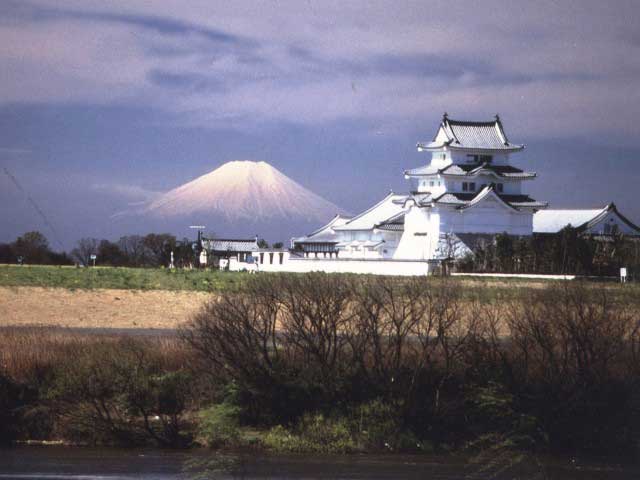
(106,104)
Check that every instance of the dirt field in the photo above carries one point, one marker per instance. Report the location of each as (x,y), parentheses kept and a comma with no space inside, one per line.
(98,308)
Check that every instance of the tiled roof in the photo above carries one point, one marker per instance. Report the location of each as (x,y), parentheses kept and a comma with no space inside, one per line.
(552,221)
(386,208)
(324,234)
(426,170)
(465,200)
(523,201)
(393,224)
(462,134)
(230,245)
(466,170)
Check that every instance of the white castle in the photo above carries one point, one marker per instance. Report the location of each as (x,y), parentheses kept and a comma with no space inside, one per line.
(468,187)
(467,192)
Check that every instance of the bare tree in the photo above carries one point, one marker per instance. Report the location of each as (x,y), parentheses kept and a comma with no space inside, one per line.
(84,249)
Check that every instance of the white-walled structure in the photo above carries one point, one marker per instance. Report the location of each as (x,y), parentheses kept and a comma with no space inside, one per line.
(601,221)
(467,186)
(467,191)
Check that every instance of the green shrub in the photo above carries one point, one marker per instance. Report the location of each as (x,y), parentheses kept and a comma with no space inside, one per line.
(219,425)
(313,434)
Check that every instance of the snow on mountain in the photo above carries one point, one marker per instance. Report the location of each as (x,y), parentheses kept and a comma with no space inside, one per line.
(242,190)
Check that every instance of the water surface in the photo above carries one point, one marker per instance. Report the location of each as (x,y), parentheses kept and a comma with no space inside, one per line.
(76,463)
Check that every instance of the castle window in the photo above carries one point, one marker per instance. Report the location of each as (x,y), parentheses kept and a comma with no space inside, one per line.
(486,158)
(472,158)
(465,186)
(472,187)
(500,187)
(431,184)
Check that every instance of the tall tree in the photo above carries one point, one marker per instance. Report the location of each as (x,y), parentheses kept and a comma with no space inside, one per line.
(84,249)
(160,246)
(109,253)
(134,250)
(33,247)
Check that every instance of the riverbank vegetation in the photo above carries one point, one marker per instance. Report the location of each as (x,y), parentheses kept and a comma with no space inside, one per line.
(327,363)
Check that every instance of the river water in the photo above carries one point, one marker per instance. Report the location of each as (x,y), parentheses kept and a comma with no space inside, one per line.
(76,463)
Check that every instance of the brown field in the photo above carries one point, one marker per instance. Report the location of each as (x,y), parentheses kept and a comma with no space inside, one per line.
(98,308)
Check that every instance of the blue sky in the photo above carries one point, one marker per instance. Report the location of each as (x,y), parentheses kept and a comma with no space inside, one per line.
(103,104)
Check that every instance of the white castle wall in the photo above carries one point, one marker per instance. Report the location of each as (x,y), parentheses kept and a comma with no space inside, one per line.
(487,217)
(363,266)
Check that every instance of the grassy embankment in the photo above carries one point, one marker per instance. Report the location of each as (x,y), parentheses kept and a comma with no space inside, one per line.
(141,279)
(120,278)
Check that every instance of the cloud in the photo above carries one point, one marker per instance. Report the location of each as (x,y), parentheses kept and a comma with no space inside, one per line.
(133,194)
(567,69)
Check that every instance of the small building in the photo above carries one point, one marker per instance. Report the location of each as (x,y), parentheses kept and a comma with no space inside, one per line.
(600,222)
(239,249)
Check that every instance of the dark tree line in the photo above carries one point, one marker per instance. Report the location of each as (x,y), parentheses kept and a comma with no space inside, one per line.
(33,248)
(567,252)
(151,250)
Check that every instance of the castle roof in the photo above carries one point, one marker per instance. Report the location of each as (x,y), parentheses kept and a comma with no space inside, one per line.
(324,234)
(393,224)
(468,135)
(552,221)
(463,201)
(472,170)
(381,211)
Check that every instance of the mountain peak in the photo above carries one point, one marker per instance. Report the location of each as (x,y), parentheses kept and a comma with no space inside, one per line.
(242,190)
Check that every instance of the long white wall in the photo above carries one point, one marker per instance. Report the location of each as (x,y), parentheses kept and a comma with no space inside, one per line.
(373,267)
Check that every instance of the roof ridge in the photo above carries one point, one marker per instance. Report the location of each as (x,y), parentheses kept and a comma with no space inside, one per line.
(361,214)
(335,218)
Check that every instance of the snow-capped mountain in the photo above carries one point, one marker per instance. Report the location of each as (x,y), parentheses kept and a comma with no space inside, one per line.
(239,197)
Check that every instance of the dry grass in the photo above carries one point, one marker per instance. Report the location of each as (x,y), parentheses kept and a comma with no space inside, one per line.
(99,308)
(26,352)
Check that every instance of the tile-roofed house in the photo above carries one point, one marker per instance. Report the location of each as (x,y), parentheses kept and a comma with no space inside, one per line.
(239,248)
(600,221)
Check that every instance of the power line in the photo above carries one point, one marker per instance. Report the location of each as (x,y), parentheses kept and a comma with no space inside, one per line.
(35,207)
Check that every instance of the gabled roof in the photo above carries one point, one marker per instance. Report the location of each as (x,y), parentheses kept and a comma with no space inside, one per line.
(230,245)
(467,135)
(552,221)
(471,170)
(486,192)
(324,234)
(381,211)
(463,201)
